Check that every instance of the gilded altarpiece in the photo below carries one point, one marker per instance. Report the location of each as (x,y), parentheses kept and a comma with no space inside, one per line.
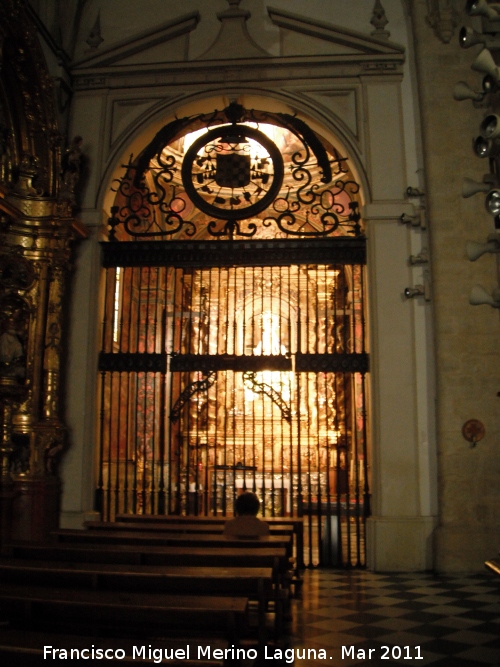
(37,226)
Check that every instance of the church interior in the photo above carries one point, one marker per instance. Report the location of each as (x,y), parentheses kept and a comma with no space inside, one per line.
(250,247)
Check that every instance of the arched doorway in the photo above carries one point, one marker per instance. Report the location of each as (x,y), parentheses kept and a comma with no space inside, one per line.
(234,351)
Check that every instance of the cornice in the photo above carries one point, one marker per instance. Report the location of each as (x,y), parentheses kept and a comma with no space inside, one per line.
(126,48)
(266,70)
(334,34)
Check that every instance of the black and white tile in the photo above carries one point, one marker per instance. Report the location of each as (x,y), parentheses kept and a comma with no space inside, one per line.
(453,620)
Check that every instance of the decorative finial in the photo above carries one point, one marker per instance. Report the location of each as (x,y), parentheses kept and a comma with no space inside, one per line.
(95,37)
(234,11)
(379,20)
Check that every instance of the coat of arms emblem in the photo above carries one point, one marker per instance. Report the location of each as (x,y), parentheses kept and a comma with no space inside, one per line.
(233,170)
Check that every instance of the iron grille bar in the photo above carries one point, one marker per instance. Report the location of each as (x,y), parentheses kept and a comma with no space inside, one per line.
(332,363)
(136,362)
(206,254)
(229,362)
(220,379)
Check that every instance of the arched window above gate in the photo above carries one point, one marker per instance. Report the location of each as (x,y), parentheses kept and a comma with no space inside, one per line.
(236,174)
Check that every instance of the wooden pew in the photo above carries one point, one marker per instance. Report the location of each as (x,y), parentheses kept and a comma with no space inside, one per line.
(183,540)
(275,557)
(296,523)
(256,584)
(49,608)
(103,563)
(171,579)
(101,580)
(186,527)
(189,527)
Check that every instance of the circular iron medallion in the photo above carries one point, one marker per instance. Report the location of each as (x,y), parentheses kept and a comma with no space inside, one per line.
(232,172)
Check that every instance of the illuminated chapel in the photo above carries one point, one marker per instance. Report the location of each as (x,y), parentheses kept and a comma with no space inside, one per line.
(236,257)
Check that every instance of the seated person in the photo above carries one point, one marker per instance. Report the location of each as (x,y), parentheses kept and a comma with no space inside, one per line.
(245,524)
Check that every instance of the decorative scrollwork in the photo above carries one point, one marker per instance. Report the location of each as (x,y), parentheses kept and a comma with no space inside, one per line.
(327,209)
(231,229)
(193,388)
(140,212)
(251,382)
(239,177)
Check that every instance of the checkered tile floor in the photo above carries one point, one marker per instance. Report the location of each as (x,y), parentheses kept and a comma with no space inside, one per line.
(455,620)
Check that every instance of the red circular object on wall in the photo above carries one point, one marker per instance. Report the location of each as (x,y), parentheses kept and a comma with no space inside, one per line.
(473,430)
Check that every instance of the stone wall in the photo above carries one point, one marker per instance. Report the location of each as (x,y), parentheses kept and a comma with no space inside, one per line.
(467,337)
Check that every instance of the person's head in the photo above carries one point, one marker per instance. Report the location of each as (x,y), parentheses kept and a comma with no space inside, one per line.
(247,504)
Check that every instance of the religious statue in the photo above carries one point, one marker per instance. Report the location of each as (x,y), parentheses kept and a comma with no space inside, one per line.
(72,163)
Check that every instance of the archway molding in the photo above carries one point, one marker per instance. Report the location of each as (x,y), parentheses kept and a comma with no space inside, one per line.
(404,478)
(134,139)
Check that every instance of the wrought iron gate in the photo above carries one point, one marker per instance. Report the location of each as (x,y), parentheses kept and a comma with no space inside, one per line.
(243,369)
(234,352)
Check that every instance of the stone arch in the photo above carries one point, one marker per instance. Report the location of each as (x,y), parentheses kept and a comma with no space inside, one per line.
(142,130)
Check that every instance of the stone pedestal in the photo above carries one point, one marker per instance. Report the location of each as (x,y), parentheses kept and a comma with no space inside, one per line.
(400,544)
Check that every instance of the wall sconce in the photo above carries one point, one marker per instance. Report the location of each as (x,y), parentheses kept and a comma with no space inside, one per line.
(421,258)
(485,147)
(482,8)
(417,220)
(490,126)
(480,297)
(420,290)
(476,250)
(490,85)
(492,202)
(468,37)
(485,64)
(414,192)
(471,187)
(412,292)
(462,91)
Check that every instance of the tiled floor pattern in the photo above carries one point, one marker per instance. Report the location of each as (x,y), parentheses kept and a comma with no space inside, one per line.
(455,620)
